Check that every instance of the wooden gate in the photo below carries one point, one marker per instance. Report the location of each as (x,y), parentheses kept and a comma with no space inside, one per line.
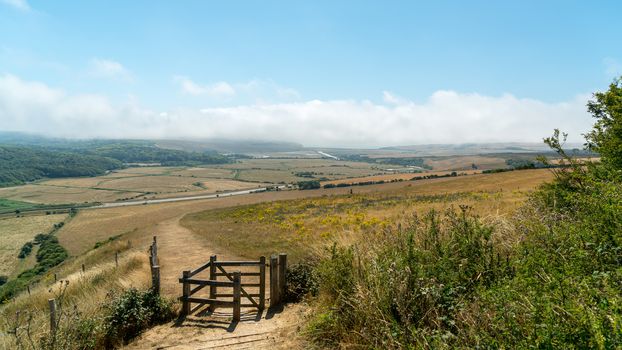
(237,282)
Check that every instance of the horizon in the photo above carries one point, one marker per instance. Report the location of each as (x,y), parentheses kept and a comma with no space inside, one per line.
(344,75)
(41,137)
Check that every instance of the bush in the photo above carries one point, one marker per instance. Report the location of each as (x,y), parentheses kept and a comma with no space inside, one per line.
(3,279)
(308,185)
(25,251)
(133,311)
(302,280)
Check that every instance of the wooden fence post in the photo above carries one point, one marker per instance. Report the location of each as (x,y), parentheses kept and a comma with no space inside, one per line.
(28,289)
(212,276)
(116,259)
(55,278)
(154,251)
(274,277)
(262,283)
(185,308)
(282,276)
(83,269)
(52,304)
(155,279)
(236,295)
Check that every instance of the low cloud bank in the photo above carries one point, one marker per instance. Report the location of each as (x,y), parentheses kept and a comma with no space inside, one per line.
(446,117)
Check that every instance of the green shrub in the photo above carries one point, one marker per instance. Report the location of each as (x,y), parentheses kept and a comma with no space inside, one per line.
(308,185)
(25,251)
(106,241)
(133,311)
(302,280)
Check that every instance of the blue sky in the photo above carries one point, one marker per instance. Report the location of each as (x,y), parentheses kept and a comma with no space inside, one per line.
(204,63)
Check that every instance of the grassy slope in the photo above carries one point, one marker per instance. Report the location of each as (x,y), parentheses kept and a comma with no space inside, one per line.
(297,226)
(14,232)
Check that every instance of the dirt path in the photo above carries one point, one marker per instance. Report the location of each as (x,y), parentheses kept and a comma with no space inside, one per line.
(179,249)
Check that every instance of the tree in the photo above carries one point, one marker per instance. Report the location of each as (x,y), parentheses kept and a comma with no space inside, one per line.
(606,136)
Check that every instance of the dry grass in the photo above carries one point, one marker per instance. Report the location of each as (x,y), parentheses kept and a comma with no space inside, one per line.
(14,232)
(85,290)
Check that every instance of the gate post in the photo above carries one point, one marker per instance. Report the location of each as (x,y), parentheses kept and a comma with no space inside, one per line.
(274,277)
(236,295)
(212,276)
(262,283)
(282,276)
(185,308)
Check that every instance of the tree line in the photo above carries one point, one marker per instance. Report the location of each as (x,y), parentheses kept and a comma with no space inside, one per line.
(25,163)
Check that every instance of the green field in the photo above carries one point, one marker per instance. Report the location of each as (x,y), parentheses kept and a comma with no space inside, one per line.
(7,205)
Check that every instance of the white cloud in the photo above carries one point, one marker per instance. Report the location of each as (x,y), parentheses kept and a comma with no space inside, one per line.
(21,5)
(109,69)
(219,89)
(445,117)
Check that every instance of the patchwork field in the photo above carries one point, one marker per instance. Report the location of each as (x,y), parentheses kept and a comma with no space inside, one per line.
(14,232)
(167,182)
(503,191)
(127,185)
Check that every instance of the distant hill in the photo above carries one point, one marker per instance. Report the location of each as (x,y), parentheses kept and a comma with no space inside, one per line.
(477,148)
(230,146)
(25,158)
(19,164)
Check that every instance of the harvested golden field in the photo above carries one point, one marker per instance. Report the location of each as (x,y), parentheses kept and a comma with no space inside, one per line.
(42,194)
(289,170)
(87,182)
(466,162)
(148,170)
(153,184)
(116,187)
(397,176)
(14,232)
(211,172)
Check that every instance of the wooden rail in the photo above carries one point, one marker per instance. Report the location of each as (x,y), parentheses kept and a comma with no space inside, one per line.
(191,284)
